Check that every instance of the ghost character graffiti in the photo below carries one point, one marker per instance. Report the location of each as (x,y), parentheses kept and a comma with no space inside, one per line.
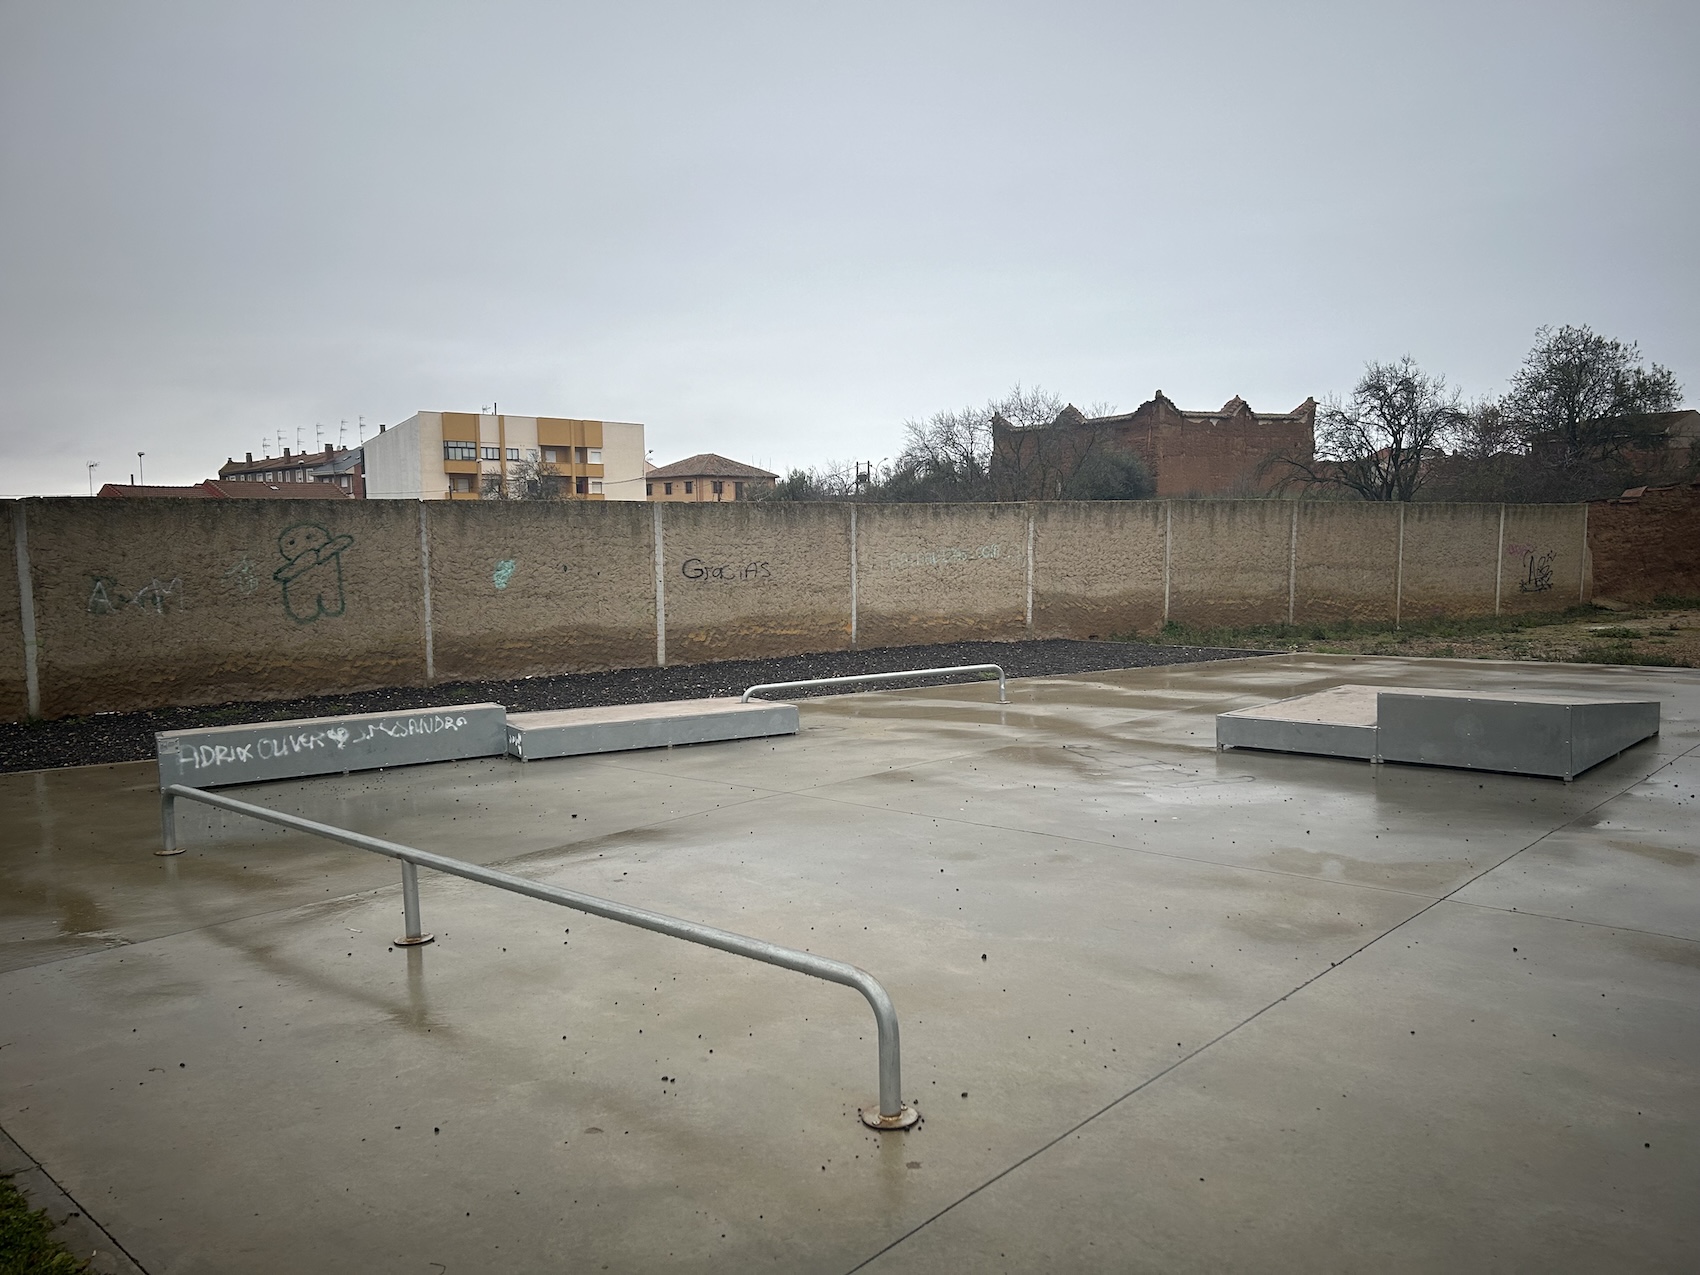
(312,572)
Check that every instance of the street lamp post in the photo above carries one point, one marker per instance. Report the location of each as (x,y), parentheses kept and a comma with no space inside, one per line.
(140,473)
(93,465)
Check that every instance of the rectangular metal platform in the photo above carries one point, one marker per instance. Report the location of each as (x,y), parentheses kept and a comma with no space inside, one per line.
(1517,733)
(209,757)
(574,732)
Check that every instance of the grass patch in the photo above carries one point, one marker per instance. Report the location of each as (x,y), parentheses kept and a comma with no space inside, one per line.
(1617,631)
(1676,602)
(27,1246)
(1266,636)
(1623,653)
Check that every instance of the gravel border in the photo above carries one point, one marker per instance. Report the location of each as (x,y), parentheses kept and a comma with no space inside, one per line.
(115,737)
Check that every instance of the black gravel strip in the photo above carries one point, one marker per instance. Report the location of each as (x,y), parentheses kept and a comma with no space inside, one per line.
(114,737)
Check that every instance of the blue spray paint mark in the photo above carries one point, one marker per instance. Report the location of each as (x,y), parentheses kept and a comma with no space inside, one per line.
(504,572)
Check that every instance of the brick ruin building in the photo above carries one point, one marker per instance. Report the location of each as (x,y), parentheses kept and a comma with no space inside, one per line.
(1221,453)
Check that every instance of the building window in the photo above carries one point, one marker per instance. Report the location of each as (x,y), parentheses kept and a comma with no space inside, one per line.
(596,486)
(649,489)
(513,453)
(666,489)
(595,455)
(460,482)
(582,487)
(579,454)
(460,451)
(737,491)
(719,488)
(491,453)
(549,455)
(689,486)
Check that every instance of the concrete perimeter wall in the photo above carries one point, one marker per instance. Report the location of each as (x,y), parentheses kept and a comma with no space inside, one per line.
(119,605)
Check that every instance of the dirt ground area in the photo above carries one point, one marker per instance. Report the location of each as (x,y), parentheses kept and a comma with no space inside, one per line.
(1604,633)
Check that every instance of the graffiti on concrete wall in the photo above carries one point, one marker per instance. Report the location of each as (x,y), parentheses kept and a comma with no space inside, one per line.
(311,573)
(697,569)
(946,557)
(243,577)
(154,597)
(503,573)
(1537,567)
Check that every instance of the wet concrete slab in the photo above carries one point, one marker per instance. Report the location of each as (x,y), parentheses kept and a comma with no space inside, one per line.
(1122,962)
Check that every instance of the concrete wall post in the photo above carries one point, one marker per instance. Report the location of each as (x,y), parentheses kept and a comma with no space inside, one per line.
(26,609)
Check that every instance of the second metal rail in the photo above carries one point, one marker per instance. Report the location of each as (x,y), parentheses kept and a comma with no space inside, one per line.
(891,1112)
(1003,690)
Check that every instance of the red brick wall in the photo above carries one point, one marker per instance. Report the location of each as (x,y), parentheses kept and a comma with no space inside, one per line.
(1646,547)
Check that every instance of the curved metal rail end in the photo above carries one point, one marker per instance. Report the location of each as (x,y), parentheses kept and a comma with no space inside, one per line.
(906,1118)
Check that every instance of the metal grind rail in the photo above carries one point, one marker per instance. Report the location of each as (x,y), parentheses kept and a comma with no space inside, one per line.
(891,1113)
(1003,689)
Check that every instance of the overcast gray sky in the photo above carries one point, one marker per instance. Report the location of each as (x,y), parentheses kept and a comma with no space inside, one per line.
(776,231)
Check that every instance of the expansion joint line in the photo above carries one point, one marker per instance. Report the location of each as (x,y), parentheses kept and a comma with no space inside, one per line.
(1247,1020)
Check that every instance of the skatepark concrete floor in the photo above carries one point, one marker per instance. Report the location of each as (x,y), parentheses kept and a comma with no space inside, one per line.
(1163,1008)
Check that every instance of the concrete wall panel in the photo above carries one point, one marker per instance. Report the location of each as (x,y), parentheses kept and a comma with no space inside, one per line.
(753,580)
(14,703)
(142,603)
(941,573)
(1542,567)
(520,588)
(1346,561)
(1097,568)
(1450,556)
(1228,561)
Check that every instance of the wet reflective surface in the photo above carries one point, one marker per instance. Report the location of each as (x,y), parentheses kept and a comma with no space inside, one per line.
(1209,1011)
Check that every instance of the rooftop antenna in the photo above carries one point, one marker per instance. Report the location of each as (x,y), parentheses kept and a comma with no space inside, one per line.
(298,438)
(280,442)
(318,437)
(93,465)
(342,434)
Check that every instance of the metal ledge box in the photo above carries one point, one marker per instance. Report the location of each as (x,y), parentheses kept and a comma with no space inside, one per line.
(329,745)
(574,732)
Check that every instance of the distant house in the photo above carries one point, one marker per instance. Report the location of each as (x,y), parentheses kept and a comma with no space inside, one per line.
(1189,453)
(707,479)
(342,467)
(213,489)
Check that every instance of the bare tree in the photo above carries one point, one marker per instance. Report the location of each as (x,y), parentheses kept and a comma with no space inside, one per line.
(528,479)
(1583,398)
(1382,441)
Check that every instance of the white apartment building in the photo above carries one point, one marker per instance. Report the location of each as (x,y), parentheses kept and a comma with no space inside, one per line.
(457,455)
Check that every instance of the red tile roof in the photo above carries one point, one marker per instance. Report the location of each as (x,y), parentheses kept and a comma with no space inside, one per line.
(708,465)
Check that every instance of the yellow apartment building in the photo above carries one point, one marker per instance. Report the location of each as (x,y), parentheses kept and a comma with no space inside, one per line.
(707,479)
(458,455)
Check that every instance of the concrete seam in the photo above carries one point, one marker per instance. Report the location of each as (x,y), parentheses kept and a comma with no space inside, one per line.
(82,1214)
(1499,561)
(1252,1017)
(1168,536)
(26,610)
(1293,565)
(1582,567)
(425,593)
(855,637)
(1029,570)
(660,591)
(1399,571)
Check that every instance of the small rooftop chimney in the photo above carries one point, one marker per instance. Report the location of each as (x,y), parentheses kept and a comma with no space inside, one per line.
(382,428)
(286,453)
(250,458)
